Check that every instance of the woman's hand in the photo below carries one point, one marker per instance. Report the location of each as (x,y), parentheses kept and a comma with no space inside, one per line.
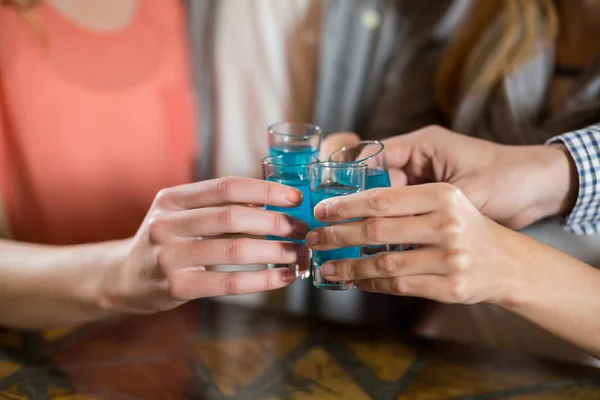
(183,233)
(463,257)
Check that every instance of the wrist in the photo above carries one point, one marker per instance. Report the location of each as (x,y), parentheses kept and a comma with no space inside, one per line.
(556,182)
(110,291)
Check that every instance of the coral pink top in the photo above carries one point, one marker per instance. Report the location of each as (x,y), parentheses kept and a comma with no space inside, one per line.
(92,124)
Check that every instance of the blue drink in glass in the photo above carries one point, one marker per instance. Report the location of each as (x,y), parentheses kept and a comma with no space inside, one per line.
(276,170)
(372,153)
(329,180)
(302,212)
(292,146)
(322,193)
(295,155)
(296,142)
(377,178)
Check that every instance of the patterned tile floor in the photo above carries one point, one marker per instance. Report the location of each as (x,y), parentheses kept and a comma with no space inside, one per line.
(214,351)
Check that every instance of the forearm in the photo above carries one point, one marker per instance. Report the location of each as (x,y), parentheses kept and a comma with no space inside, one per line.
(47,286)
(556,292)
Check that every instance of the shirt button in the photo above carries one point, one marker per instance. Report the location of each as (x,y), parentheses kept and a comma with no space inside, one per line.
(371,19)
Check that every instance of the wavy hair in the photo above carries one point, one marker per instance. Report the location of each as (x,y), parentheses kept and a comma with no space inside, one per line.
(526,22)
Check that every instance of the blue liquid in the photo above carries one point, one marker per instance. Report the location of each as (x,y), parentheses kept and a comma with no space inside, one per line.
(377,178)
(295,155)
(303,212)
(320,257)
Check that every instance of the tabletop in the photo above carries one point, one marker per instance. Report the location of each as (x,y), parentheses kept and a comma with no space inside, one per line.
(209,350)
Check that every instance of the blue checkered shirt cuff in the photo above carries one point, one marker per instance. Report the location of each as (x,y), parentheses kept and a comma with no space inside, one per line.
(584,146)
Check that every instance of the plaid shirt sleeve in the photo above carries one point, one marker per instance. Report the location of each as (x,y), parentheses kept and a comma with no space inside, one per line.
(584,146)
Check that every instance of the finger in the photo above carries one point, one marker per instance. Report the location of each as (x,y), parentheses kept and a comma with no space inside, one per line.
(229,190)
(433,287)
(386,265)
(212,221)
(400,149)
(241,251)
(335,141)
(377,231)
(398,178)
(195,283)
(389,202)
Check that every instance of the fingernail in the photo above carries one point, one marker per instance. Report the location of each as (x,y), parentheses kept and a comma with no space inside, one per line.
(320,210)
(300,228)
(289,276)
(312,238)
(327,269)
(294,196)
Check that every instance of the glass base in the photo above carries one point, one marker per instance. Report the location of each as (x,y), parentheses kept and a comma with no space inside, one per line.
(302,271)
(322,283)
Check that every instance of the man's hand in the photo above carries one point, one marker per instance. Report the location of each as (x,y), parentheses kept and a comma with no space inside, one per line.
(514,185)
(463,257)
(336,140)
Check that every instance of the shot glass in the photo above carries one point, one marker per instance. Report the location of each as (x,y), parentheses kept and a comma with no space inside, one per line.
(371,153)
(275,169)
(327,180)
(297,142)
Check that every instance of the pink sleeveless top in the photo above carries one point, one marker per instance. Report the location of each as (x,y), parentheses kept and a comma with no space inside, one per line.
(92,125)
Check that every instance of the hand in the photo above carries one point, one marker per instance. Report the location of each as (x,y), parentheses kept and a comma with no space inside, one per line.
(336,140)
(463,256)
(514,185)
(182,234)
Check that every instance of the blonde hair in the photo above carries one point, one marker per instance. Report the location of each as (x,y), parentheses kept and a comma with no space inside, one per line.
(26,8)
(526,22)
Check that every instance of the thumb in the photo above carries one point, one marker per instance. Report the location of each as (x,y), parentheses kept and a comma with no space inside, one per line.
(336,140)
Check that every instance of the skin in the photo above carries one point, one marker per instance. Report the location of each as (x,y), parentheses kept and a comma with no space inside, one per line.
(168,262)
(164,265)
(458,187)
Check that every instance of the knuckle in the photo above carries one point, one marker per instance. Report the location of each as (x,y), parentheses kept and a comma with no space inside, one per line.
(454,241)
(343,270)
(175,288)
(452,224)
(458,261)
(224,186)
(225,217)
(374,229)
(268,191)
(450,195)
(378,200)
(330,235)
(398,286)
(163,257)
(282,252)
(278,222)
(230,284)
(158,228)
(235,251)
(458,288)
(164,197)
(386,264)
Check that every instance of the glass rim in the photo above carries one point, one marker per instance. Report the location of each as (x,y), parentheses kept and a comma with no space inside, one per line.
(338,165)
(319,132)
(362,142)
(264,161)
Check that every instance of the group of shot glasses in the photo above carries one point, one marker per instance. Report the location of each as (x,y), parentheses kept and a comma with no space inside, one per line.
(294,160)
